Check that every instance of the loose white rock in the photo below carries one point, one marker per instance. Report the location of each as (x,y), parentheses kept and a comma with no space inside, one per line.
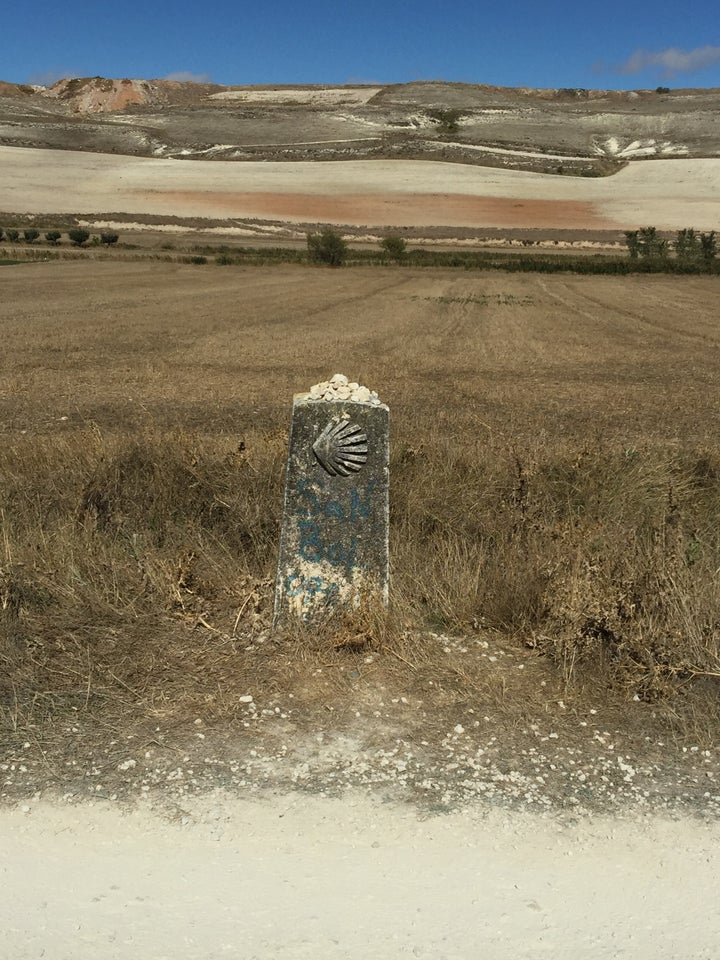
(340,388)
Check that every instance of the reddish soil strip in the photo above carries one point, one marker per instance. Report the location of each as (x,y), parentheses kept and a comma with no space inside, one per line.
(391,209)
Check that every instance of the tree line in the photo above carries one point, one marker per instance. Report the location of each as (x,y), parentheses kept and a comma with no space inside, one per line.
(693,253)
(78,236)
(688,246)
(330,247)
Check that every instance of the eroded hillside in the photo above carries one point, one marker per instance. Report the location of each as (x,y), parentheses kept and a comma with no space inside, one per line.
(555,131)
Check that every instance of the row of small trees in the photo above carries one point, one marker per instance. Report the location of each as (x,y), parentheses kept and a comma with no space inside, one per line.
(78,236)
(330,248)
(646,244)
(692,247)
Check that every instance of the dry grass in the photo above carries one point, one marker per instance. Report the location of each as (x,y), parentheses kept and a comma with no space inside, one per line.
(555,488)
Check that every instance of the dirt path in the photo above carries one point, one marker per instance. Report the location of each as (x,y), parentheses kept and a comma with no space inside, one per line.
(671,194)
(302,877)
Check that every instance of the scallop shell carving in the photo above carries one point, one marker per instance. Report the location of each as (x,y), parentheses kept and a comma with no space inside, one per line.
(341,449)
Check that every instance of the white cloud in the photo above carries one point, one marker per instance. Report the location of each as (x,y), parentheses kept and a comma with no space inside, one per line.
(186,76)
(671,60)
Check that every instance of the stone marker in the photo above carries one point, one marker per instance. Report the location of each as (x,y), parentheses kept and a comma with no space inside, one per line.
(334,539)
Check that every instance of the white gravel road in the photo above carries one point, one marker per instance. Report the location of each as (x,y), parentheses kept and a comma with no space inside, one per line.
(298,876)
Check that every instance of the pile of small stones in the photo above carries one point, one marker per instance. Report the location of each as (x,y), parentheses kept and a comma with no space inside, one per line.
(340,388)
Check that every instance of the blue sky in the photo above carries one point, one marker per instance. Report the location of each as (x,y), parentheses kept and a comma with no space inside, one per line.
(622,45)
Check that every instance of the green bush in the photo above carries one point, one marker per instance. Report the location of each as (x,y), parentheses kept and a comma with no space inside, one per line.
(708,246)
(78,236)
(447,119)
(646,244)
(53,237)
(651,245)
(109,238)
(12,235)
(687,245)
(327,247)
(394,246)
(30,235)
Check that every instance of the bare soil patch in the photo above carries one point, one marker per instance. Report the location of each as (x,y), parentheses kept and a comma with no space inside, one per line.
(340,96)
(413,210)
(670,194)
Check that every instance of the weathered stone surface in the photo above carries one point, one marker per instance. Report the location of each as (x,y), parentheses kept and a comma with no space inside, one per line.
(334,540)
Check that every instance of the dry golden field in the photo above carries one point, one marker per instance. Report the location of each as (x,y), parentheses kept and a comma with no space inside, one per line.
(471,360)
(555,489)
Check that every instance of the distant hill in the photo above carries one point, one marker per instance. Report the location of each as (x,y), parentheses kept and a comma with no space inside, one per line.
(100,95)
(560,131)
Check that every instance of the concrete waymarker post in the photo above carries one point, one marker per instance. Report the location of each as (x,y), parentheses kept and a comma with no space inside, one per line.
(334,539)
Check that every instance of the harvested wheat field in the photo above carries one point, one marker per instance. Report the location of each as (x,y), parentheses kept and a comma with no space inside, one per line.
(555,487)
(221,350)
(671,194)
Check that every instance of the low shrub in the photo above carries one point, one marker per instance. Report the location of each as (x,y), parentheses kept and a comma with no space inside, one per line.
(327,247)
(78,236)
(394,246)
